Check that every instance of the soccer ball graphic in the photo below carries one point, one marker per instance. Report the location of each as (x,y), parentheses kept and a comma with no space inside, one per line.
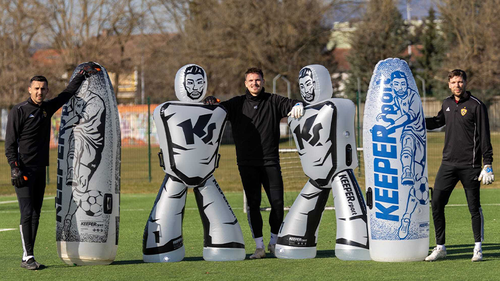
(91,203)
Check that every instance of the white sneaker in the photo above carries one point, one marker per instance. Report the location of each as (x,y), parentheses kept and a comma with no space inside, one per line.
(259,253)
(478,255)
(436,255)
(271,248)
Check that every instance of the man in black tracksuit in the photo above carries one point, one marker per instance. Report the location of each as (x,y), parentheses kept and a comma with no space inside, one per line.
(27,150)
(467,142)
(255,121)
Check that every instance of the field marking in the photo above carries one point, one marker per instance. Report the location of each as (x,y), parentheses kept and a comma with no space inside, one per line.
(6,229)
(465,205)
(15,201)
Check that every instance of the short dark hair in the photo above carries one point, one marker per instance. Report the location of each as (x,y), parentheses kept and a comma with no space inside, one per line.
(305,72)
(194,69)
(39,78)
(457,72)
(254,70)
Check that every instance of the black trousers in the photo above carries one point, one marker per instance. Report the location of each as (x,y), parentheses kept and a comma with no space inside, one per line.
(446,180)
(270,178)
(30,198)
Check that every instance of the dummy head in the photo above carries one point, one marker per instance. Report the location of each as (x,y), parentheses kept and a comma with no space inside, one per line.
(315,83)
(191,83)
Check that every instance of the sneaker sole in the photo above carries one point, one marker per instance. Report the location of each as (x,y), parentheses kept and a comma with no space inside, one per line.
(29,267)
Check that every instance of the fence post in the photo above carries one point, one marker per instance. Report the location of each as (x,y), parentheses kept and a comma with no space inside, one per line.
(149,138)
(423,89)
(358,124)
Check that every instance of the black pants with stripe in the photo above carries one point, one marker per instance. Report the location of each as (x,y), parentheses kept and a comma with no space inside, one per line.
(252,177)
(30,198)
(446,180)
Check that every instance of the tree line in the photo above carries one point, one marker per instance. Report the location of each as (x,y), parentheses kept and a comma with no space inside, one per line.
(458,34)
(157,37)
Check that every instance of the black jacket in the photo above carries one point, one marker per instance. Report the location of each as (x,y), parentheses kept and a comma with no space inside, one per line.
(255,123)
(467,132)
(28,128)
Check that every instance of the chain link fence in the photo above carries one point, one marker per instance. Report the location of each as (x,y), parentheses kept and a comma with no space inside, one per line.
(140,172)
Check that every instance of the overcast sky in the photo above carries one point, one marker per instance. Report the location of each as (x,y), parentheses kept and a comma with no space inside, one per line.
(418,8)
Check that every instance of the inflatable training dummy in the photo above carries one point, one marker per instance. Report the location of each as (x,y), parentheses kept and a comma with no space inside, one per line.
(88,174)
(325,141)
(189,134)
(395,154)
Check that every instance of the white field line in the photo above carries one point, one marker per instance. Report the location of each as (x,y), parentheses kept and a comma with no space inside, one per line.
(15,201)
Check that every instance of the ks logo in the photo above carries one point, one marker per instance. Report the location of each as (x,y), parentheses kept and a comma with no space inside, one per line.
(304,133)
(198,129)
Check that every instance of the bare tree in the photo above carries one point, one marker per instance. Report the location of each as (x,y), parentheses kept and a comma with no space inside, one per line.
(75,27)
(471,33)
(226,37)
(381,33)
(123,22)
(20,23)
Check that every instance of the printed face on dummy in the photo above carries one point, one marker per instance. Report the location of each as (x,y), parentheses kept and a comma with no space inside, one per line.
(194,84)
(457,86)
(254,83)
(38,91)
(399,86)
(306,85)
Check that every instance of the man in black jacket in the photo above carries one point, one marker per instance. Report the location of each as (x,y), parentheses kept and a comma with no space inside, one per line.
(467,144)
(27,150)
(255,121)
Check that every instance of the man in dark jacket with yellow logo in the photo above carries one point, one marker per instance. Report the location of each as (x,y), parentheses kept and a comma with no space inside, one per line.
(467,146)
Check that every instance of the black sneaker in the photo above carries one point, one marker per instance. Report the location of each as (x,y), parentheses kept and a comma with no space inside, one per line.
(29,264)
(39,265)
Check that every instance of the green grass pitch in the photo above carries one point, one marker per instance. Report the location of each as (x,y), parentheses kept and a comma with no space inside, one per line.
(135,209)
(138,195)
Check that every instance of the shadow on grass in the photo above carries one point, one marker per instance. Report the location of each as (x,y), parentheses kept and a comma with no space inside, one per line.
(126,262)
(465,251)
(322,254)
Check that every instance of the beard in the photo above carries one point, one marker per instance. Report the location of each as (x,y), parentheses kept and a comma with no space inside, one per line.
(194,94)
(308,96)
(401,92)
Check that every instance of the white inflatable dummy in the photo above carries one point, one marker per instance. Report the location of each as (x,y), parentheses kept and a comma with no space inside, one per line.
(394,144)
(88,174)
(189,134)
(325,141)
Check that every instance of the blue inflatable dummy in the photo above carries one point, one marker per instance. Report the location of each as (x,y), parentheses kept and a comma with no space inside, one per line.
(395,154)
(189,134)
(325,141)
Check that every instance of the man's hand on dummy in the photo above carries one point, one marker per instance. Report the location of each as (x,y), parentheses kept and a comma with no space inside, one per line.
(297,111)
(89,68)
(211,100)
(17,177)
(487,175)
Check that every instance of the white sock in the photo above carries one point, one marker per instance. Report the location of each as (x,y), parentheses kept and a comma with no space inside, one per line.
(259,242)
(477,246)
(27,258)
(274,239)
(441,247)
